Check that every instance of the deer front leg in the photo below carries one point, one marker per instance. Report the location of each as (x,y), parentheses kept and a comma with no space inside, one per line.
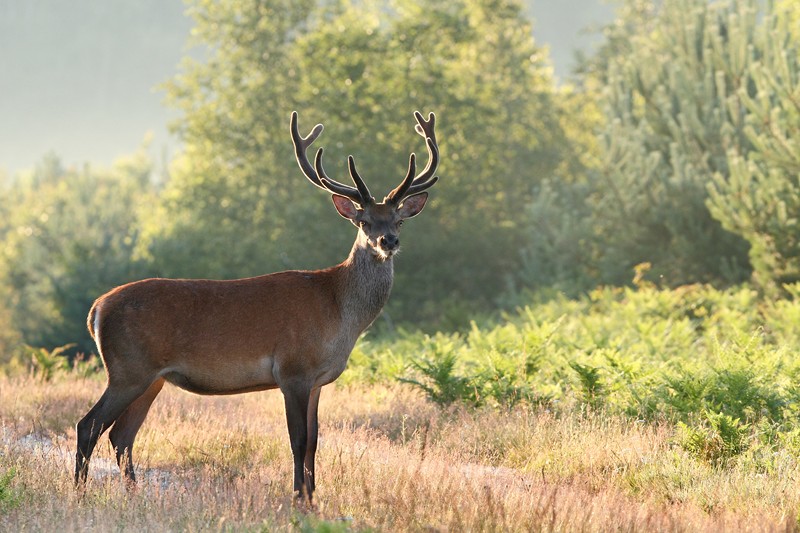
(296,397)
(311,447)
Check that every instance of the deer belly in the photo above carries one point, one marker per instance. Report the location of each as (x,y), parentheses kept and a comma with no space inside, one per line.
(225,377)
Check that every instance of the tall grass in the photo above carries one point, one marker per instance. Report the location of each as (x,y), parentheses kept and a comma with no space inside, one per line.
(634,410)
(389,460)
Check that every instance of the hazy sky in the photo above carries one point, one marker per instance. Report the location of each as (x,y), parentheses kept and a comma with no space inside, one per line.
(80,77)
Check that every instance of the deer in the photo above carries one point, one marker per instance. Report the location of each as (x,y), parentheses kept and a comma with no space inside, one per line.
(291,330)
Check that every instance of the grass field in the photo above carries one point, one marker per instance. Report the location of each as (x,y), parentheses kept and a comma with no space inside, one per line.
(634,410)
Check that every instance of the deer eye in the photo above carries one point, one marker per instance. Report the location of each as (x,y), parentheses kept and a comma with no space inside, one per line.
(363,224)
(400,223)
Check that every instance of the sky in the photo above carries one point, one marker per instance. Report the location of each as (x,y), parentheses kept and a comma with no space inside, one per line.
(80,78)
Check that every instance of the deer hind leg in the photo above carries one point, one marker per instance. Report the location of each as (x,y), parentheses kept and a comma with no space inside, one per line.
(114,401)
(124,430)
(296,398)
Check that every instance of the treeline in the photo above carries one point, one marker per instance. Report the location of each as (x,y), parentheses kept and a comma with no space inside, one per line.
(676,144)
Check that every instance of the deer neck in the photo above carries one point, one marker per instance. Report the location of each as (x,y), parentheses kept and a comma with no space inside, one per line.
(365,284)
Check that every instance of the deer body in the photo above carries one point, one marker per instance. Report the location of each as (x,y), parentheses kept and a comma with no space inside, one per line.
(226,337)
(291,330)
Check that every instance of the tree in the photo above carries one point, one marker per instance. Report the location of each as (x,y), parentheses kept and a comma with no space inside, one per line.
(672,116)
(760,197)
(238,205)
(69,236)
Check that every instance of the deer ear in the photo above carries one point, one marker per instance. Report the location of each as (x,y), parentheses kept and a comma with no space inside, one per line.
(412,205)
(345,206)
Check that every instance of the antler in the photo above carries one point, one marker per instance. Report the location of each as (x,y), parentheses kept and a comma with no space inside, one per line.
(316,174)
(412,185)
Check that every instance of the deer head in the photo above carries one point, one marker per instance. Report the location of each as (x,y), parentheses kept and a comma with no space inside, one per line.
(378,223)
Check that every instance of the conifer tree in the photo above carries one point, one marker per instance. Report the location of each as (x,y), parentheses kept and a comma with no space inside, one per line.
(759,198)
(672,117)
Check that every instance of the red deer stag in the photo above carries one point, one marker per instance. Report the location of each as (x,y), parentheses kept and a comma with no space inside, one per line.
(291,330)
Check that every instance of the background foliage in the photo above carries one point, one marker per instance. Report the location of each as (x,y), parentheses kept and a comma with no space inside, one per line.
(674,144)
(361,69)
(67,236)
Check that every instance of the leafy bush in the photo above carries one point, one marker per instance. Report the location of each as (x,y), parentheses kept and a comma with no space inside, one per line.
(644,352)
(10,496)
(443,386)
(717,438)
(46,363)
(591,389)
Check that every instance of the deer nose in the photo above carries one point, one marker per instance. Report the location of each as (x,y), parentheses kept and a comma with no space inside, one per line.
(389,242)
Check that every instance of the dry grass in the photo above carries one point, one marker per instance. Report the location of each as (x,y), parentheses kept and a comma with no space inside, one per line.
(388,460)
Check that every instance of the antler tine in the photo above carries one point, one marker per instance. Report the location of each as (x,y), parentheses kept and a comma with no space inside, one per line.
(419,187)
(433,161)
(315,173)
(426,178)
(400,191)
(334,186)
(425,127)
(360,185)
(301,144)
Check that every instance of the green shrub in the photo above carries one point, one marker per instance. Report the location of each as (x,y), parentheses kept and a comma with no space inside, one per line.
(716,439)
(441,384)
(643,352)
(10,496)
(46,363)
(591,390)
